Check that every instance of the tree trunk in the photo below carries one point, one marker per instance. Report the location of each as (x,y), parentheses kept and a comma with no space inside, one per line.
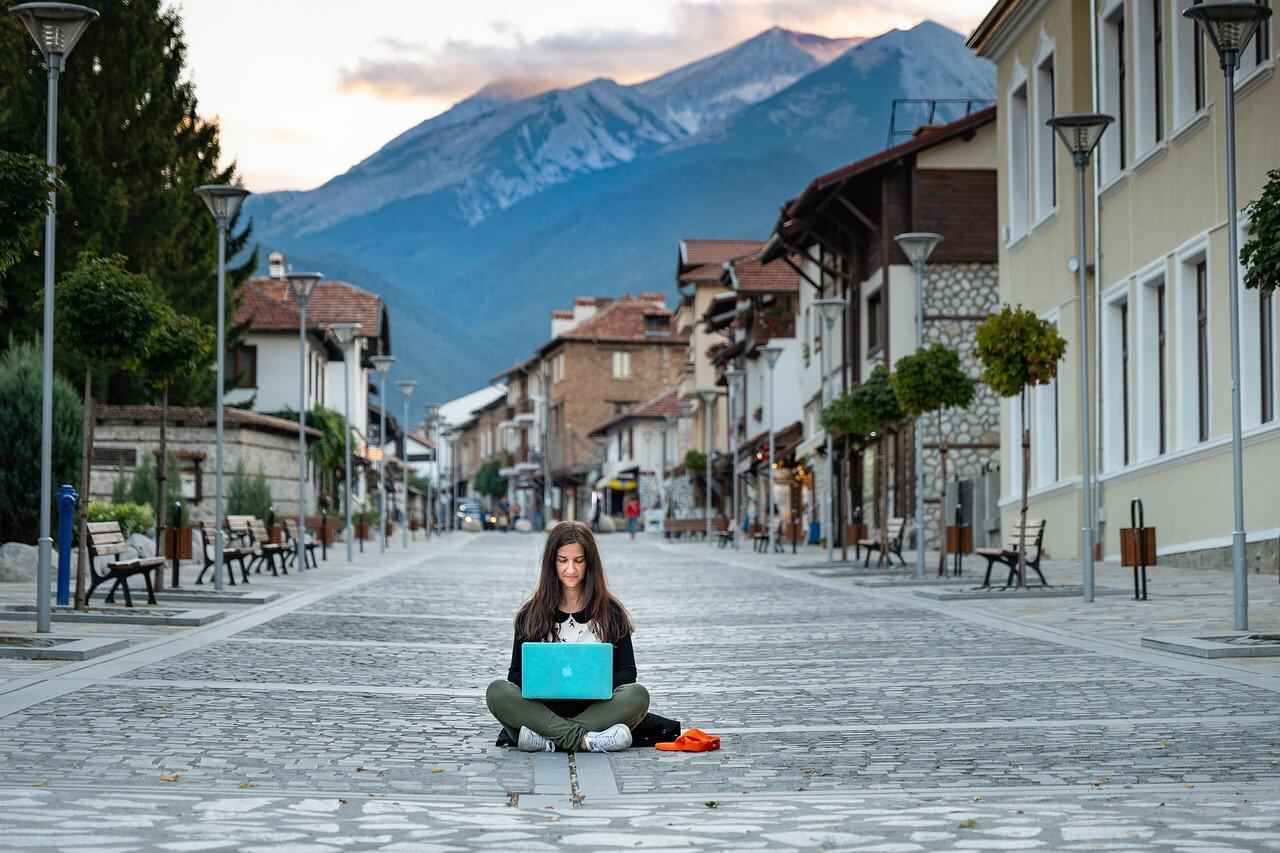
(882,501)
(942,501)
(86,470)
(162,475)
(1026,485)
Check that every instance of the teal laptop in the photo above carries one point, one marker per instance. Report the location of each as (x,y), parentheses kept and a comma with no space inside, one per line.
(566,670)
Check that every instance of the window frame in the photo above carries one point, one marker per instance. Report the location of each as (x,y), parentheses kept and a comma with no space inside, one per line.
(244,366)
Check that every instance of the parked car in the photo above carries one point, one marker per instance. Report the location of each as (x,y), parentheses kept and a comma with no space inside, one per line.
(472,516)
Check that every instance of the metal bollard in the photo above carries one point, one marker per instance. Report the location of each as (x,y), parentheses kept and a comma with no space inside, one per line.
(67,498)
(173,543)
(324,533)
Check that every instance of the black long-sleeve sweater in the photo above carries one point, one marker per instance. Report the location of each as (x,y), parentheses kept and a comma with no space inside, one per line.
(624,663)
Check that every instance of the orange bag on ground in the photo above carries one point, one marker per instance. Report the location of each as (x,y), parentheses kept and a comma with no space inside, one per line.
(694,740)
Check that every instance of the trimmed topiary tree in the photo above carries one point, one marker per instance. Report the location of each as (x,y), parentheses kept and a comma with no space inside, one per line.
(931,380)
(1019,350)
(107,317)
(489,482)
(862,413)
(20,398)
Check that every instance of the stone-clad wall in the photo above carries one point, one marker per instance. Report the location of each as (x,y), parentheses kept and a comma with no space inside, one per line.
(958,296)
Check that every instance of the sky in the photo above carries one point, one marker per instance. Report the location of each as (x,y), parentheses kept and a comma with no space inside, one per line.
(305,89)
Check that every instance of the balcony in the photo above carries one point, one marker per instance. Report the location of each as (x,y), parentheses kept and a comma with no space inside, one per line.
(525,412)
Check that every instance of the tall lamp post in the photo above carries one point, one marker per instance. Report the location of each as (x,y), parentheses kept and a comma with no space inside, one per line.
(382,364)
(1081,133)
(224,203)
(708,396)
(452,437)
(735,379)
(302,285)
(56,27)
(670,419)
(771,356)
(433,416)
(345,334)
(406,387)
(832,309)
(918,246)
(1231,26)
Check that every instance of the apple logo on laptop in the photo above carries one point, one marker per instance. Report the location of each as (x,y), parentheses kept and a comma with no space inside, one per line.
(567,672)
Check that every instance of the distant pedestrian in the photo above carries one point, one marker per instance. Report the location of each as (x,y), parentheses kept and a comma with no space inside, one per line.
(631,509)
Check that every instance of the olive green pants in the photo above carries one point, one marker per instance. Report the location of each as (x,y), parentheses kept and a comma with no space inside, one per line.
(629,704)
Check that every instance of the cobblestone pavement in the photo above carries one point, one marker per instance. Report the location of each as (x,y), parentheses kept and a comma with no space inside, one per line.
(351,717)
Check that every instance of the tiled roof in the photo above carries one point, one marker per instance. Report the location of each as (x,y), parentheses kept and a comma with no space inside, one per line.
(666,403)
(198,416)
(562,314)
(621,320)
(267,306)
(749,275)
(697,252)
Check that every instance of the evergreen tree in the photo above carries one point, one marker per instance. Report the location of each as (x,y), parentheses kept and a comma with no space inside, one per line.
(133,147)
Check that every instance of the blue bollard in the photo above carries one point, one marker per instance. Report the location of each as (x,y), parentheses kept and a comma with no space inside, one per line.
(66,516)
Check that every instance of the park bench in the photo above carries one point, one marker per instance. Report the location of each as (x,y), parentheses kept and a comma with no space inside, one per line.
(291,543)
(230,554)
(105,542)
(1009,551)
(254,534)
(675,528)
(894,530)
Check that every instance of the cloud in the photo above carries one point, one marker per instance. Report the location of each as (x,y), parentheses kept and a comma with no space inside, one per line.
(457,68)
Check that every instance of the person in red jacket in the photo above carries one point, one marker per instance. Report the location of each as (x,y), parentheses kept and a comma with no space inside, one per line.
(631,509)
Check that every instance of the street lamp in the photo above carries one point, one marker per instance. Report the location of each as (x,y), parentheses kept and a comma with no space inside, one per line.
(56,27)
(406,387)
(452,437)
(771,356)
(345,334)
(224,203)
(1081,133)
(918,246)
(302,285)
(1230,26)
(734,378)
(831,309)
(433,416)
(708,396)
(382,364)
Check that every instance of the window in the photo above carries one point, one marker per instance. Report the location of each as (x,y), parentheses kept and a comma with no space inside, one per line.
(1151,341)
(1157,68)
(656,324)
(621,364)
(1258,50)
(1018,186)
(875,321)
(1266,357)
(1114,158)
(244,366)
(557,368)
(1115,379)
(1202,349)
(1046,144)
(1188,63)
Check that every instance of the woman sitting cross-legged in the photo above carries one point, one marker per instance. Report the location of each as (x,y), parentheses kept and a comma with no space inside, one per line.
(571,604)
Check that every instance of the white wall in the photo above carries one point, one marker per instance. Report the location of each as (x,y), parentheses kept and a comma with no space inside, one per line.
(277,374)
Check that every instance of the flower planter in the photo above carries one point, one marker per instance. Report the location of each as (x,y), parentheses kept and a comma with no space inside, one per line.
(362,530)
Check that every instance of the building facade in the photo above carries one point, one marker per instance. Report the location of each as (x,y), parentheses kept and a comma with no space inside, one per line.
(1157,306)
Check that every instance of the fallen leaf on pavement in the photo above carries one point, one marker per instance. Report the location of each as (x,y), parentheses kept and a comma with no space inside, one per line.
(437,769)
(971,823)
(169,777)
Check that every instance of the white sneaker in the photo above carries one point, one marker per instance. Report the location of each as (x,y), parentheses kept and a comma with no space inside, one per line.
(613,739)
(531,741)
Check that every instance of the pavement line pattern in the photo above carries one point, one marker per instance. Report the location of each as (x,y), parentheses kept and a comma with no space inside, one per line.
(351,717)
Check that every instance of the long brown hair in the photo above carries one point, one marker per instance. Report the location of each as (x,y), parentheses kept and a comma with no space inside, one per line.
(536,619)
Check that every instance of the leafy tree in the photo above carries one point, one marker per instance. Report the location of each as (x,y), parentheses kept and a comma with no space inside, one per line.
(931,380)
(20,398)
(1019,350)
(328,451)
(139,485)
(489,482)
(107,317)
(862,413)
(24,200)
(133,147)
(248,494)
(179,348)
(1261,252)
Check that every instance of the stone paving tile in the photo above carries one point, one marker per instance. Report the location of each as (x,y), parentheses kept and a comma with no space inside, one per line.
(306,741)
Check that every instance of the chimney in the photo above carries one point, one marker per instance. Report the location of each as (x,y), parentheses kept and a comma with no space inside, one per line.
(275,265)
(584,307)
(654,298)
(561,321)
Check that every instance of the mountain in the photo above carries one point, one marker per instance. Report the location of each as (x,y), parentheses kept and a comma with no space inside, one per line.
(480,220)
(710,89)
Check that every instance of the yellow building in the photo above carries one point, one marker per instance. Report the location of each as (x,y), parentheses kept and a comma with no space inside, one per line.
(1158,306)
